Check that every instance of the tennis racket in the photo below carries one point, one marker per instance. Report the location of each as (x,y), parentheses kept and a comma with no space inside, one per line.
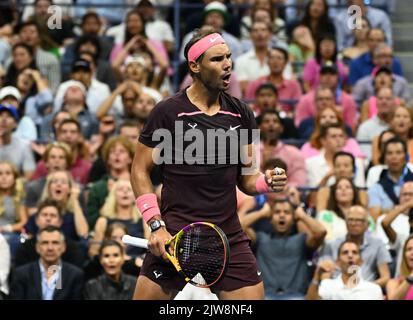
(200,252)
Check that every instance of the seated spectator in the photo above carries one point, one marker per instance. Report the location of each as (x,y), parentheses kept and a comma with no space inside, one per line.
(12,214)
(113,284)
(23,57)
(342,196)
(119,207)
(130,130)
(95,91)
(5,262)
(325,53)
(132,264)
(49,213)
(287,89)
(332,139)
(271,147)
(48,129)
(364,64)
(345,166)
(61,188)
(395,226)
(378,20)
(327,114)
(69,132)
(365,87)
(369,106)
(401,288)
(402,126)
(14,149)
(385,193)
(57,157)
(301,48)
(38,280)
(107,128)
(349,285)
(359,45)
(378,123)
(308,105)
(373,251)
(47,63)
(282,255)
(118,155)
(376,164)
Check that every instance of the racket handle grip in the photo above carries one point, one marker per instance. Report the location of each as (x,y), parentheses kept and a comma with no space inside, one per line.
(136,242)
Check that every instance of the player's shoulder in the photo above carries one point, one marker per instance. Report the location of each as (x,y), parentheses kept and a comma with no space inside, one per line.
(170,104)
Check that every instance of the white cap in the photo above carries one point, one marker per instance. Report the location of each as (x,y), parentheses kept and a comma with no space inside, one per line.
(216,6)
(73,83)
(132,59)
(10,91)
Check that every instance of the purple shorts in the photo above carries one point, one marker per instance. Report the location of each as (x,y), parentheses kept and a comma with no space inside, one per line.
(242,270)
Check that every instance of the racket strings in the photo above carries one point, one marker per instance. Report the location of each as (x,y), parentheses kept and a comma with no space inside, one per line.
(201,254)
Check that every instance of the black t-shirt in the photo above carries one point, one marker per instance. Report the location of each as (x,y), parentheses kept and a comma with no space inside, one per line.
(202,190)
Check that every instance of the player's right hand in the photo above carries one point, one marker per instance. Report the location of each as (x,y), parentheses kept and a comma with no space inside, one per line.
(157,242)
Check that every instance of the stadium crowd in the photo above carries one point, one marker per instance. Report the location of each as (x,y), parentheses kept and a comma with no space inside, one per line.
(331,102)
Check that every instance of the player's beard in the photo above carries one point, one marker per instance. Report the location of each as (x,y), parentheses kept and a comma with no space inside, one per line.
(211,81)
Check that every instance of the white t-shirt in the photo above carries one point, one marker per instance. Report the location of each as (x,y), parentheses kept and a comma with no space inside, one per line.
(335,289)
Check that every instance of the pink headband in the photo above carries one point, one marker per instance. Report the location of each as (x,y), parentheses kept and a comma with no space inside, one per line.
(199,47)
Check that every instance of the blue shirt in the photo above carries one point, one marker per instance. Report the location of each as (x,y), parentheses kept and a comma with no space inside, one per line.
(48,286)
(363,66)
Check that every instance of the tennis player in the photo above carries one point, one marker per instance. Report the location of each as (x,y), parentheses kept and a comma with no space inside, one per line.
(200,191)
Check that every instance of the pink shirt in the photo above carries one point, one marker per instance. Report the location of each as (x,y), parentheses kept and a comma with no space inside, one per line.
(297,174)
(234,88)
(80,170)
(351,146)
(409,295)
(306,108)
(288,90)
(311,72)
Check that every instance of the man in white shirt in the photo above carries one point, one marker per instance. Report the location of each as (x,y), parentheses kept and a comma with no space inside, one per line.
(349,285)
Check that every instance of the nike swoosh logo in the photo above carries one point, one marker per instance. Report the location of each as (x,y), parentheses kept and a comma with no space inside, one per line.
(258,273)
(213,39)
(233,128)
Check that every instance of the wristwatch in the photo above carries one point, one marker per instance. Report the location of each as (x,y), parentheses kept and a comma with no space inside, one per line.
(409,279)
(156,224)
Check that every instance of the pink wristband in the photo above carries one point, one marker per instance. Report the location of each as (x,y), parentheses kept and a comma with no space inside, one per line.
(148,206)
(261,186)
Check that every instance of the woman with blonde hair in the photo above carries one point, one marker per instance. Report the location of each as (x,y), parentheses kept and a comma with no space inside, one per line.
(119,207)
(401,288)
(12,213)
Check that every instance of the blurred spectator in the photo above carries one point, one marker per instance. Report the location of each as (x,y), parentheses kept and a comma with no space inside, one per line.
(374,254)
(22,56)
(65,5)
(48,128)
(107,128)
(325,54)
(5,263)
(364,64)
(117,155)
(301,48)
(342,195)
(119,207)
(317,20)
(378,20)
(401,288)
(110,14)
(312,101)
(57,156)
(47,63)
(376,164)
(130,130)
(12,214)
(282,255)
(48,213)
(271,147)
(287,89)
(367,86)
(378,123)
(395,227)
(113,284)
(12,148)
(40,280)
(69,132)
(26,128)
(359,45)
(349,285)
(326,115)
(82,76)
(402,126)
(384,194)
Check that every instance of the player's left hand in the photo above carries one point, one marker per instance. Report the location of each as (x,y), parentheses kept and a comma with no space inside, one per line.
(276,179)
